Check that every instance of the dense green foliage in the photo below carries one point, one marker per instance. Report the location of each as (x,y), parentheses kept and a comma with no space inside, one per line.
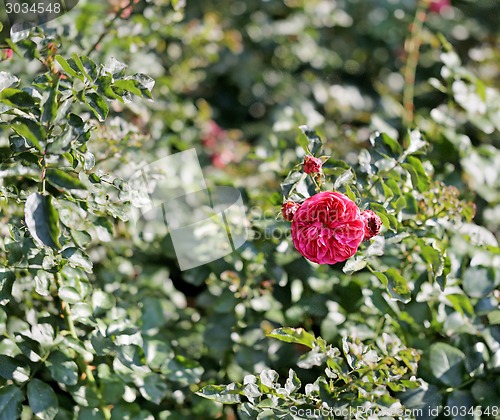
(97,320)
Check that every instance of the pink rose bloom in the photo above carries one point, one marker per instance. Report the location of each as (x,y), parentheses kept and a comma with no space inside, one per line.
(289,209)
(437,5)
(372,224)
(312,165)
(327,228)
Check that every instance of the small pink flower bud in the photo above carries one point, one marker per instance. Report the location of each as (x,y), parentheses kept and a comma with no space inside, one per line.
(6,54)
(288,210)
(312,165)
(372,224)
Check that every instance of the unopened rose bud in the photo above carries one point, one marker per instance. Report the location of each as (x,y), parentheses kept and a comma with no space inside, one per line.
(6,54)
(288,210)
(372,224)
(312,165)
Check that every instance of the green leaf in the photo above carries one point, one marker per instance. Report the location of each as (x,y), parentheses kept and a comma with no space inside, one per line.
(30,130)
(89,68)
(290,182)
(112,390)
(49,108)
(484,393)
(156,351)
(220,394)
(479,281)
(81,311)
(62,179)
(85,396)
(94,178)
(394,186)
(461,303)
(79,64)
(154,388)
(293,335)
(18,98)
(344,178)
(462,403)
(62,369)
(128,85)
(388,193)
(97,105)
(178,4)
(42,400)
(385,145)
(6,281)
(81,237)
(103,84)
(349,192)
(424,398)
(312,143)
(269,378)
(145,84)
(69,67)
(395,284)
(92,413)
(42,220)
(447,364)
(7,80)
(432,257)
(42,282)
(11,398)
(77,258)
(182,370)
(494,317)
(388,219)
(416,142)
(13,369)
(419,177)
(292,383)
(69,294)
(354,264)
(441,279)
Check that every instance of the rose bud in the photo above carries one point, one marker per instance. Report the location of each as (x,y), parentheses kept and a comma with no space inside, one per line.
(288,210)
(312,165)
(372,224)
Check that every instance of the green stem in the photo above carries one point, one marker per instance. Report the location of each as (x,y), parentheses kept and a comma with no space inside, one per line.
(412,49)
(109,26)
(66,311)
(83,366)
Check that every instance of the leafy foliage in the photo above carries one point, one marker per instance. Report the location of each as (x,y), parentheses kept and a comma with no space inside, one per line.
(356,377)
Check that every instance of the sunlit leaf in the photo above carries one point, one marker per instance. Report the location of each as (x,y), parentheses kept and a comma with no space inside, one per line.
(42,220)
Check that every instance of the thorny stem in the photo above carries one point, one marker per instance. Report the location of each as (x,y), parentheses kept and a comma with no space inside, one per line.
(412,50)
(109,26)
(83,366)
